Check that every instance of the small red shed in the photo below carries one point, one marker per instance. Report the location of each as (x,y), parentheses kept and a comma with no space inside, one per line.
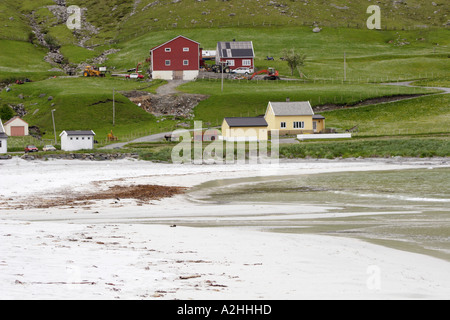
(177,59)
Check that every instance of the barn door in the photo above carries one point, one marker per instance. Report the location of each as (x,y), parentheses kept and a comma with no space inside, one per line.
(178,75)
(17,131)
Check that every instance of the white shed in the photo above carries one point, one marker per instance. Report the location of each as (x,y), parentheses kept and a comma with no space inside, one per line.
(16,127)
(3,139)
(77,140)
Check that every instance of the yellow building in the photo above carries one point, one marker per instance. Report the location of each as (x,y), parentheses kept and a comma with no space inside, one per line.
(293,118)
(288,118)
(244,129)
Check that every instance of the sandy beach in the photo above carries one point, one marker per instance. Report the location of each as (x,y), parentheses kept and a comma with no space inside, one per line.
(178,248)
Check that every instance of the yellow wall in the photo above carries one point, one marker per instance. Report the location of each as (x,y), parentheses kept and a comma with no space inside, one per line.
(244,132)
(320,125)
(275,122)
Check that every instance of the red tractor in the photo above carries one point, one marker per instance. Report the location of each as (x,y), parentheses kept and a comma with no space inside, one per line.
(270,74)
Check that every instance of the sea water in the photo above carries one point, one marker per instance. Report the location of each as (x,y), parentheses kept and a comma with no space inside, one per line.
(403,209)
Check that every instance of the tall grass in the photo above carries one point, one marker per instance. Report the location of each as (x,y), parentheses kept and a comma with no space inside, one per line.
(413,147)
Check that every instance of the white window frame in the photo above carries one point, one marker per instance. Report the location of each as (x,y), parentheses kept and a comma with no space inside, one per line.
(185,62)
(246,63)
(167,63)
(186,49)
(283,125)
(299,124)
(230,63)
(168,49)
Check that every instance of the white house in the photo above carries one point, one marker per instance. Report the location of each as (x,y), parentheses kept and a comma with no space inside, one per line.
(3,139)
(16,127)
(77,140)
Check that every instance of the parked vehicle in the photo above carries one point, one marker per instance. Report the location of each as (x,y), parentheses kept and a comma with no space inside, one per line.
(218,69)
(243,70)
(270,74)
(49,148)
(31,148)
(134,76)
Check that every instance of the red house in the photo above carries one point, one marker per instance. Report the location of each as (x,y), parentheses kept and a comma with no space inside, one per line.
(236,54)
(177,59)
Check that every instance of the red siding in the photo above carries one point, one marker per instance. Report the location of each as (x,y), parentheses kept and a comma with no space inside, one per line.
(238,62)
(176,55)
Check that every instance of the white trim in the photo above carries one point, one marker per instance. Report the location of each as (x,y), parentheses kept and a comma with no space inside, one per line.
(324,136)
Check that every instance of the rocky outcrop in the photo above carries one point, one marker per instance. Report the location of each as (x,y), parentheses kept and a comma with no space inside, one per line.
(178,105)
(81,156)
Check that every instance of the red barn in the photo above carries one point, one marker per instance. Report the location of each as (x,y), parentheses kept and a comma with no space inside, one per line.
(177,59)
(236,54)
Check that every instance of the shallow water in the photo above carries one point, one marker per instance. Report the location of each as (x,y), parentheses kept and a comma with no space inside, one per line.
(403,209)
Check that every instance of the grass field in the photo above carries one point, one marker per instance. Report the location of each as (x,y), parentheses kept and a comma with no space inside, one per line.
(20,60)
(250,98)
(369,55)
(429,114)
(85,104)
(412,45)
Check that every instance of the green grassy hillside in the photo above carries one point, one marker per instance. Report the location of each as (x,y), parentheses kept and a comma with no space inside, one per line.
(412,45)
(250,98)
(83,104)
(369,54)
(123,19)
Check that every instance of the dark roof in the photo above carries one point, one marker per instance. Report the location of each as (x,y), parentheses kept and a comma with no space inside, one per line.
(80,133)
(3,135)
(247,122)
(235,49)
(318,116)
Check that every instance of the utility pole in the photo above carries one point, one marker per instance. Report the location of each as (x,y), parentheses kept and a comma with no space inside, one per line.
(221,68)
(345,66)
(54,128)
(114,109)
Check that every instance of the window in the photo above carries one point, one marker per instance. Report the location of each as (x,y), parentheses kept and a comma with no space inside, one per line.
(71,138)
(246,63)
(230,63)
(1,143)
(299,125)
(283,125)
(82,138)
(89,138)
(77,138)
(185,62)
(185,49)
(167,62)
(168,49)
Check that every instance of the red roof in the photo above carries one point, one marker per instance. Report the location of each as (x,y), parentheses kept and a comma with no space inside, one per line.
(11,120)
(154,48)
